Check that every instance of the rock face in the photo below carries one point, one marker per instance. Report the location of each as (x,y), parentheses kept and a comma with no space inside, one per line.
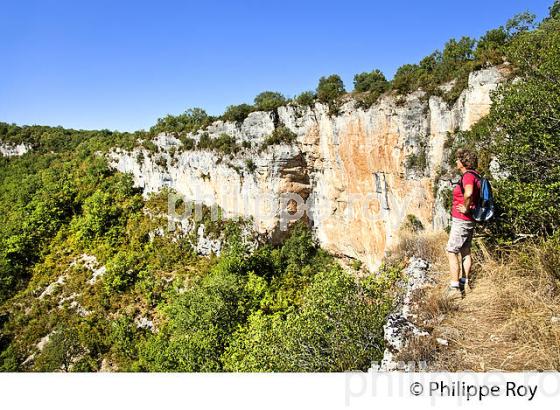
(354,176)
(400,328)
(7,150)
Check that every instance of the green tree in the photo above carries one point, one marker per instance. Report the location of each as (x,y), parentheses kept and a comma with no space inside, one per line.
(407,78)
(237,113)
(269,100)
(306,98)
(554,10)
(330,88)
(373,81)
(336,329)
(458,51)
(191,120)
(520,23)
(490,48)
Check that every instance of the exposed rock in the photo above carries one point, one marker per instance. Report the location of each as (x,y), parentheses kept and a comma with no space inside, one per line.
(53,286)
(90,263)
(497,171)
(344,174)
(74,304)
(144,323)
(442,342)
(400,327)
(8,150)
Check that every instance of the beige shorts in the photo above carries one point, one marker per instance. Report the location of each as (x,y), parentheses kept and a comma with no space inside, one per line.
(460,236)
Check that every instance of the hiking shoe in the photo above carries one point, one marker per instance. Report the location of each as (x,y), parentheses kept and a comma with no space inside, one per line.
(463,282)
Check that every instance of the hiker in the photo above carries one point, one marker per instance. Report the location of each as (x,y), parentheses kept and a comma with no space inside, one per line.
(465,196)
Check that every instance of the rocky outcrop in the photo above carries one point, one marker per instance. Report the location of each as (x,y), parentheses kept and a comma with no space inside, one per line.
(10,150)
(400,327)
(354,176)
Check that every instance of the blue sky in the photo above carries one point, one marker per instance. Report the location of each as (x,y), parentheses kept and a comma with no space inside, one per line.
(122,64)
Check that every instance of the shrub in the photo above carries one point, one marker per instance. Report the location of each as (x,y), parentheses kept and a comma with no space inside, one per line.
(60,351)
(191,120)
(366,100)
(122,271)
(269,100)
(200,321)
(490,48)
(417,161)
(225,143)
(373,81)
(330,88)
(336,329)
(407,78)
(456,52)
(280,135)
(188,143)
(237,113)
(413,223)
(250,165)
(306,99)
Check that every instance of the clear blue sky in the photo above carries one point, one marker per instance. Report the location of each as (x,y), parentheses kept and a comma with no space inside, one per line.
(122,64)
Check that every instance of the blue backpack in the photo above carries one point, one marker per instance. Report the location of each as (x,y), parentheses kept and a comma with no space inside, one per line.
(484,209)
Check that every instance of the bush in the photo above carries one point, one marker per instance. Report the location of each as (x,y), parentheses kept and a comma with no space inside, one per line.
(188,143)
(413,224)
(269,100)
(417,161)
(490,48)
(280,135)
(237,113)
(330,88)
(250,165)
(225,143)
(60,351)
(122,271)
(373,81)
(306,99)
(191,120)
(336,329)
(200,321)
(407,78)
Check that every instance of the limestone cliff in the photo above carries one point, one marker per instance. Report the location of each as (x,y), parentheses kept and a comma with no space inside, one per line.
(351,175)
(13,150)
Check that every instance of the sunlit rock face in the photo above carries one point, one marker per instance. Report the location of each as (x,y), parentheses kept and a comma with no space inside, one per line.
(354,176)
(9,150)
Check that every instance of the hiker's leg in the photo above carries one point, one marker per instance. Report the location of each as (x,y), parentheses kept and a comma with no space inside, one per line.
(454,267)
(453,248)
(466,262)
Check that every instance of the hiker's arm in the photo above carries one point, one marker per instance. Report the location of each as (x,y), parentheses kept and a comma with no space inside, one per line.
(467,199)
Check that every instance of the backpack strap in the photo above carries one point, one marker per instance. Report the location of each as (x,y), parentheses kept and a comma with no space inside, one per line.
(472,172)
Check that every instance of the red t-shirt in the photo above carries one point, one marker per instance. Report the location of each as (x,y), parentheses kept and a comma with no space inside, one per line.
(458,199)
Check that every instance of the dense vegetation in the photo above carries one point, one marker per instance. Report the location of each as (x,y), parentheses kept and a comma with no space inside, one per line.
(523,133)
(90,278)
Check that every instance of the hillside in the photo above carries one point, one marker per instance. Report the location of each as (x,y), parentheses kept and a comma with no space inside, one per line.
(306,213)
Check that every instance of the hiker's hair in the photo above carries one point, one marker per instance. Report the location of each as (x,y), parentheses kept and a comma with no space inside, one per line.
(467,157)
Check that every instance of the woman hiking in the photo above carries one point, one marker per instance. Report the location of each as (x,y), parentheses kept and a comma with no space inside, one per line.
(465,196)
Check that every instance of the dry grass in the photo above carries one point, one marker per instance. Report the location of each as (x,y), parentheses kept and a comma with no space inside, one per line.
(428,246)
(510,319)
